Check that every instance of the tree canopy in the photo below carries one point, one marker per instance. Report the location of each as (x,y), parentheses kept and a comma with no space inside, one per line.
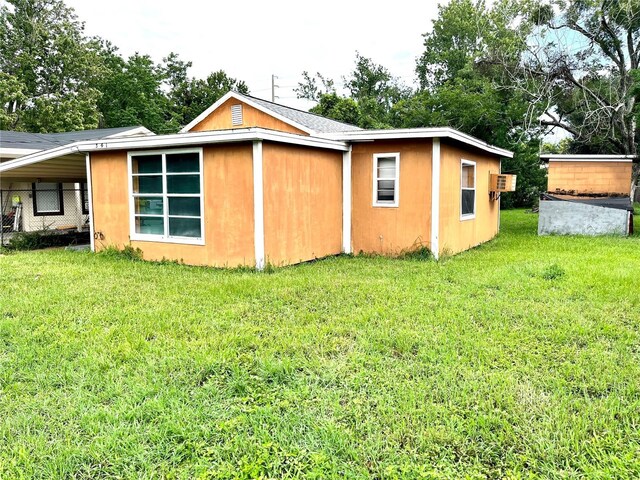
(54,78)
(510,73)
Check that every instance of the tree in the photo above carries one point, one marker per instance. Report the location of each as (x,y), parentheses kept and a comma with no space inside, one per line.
(469,34)
(48,67)
(338,108)
(161,97)
(581,68)
(189,97)
(11,95)
(464,87)
(372,92)
(313,88)
(132,93)
(375,90)
(53,78)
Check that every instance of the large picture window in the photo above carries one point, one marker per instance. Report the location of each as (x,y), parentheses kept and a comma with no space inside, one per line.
(468,190)
(386,176)
(166,196)
(47,199)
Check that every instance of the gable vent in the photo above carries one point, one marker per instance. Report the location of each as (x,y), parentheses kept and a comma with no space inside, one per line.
(236,115)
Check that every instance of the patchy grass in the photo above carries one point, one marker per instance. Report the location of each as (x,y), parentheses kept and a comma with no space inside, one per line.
(519,359)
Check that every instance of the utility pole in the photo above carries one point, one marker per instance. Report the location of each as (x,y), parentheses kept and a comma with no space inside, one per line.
(273,88)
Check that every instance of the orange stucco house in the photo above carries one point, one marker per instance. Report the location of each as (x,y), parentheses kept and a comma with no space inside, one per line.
(251,182)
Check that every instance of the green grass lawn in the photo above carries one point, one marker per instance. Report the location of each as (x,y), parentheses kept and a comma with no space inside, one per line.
(518,359)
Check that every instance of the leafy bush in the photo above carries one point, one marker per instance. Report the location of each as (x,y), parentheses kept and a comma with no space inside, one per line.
(38,240)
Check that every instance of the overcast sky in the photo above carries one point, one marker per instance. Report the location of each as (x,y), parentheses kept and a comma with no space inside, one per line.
(252,40)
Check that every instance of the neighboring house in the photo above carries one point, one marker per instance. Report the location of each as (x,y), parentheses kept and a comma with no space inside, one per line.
(587,195)
(49,197)
(251,182)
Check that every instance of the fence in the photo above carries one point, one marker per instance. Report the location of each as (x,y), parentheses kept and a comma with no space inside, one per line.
(52,208)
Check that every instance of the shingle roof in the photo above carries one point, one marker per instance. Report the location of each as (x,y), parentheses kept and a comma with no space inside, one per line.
(43,141)
(315,122)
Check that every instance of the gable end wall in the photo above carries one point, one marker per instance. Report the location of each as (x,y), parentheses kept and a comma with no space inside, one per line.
(220,119)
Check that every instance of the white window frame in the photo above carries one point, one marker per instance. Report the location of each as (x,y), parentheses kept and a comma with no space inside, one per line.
(166,238)
(469,216)
(396,189)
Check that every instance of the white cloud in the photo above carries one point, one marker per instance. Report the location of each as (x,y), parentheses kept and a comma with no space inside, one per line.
(254,39)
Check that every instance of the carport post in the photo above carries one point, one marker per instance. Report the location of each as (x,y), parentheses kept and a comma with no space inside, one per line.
(90,195)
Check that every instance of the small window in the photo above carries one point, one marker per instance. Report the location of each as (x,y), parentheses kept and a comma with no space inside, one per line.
(47,199)
(386,169)
(236,115)
(84,198)
(468,190)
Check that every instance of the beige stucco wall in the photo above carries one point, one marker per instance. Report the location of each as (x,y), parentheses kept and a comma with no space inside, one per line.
(228,208)
(220,119)
(302,203)
(457,235)
(392,230)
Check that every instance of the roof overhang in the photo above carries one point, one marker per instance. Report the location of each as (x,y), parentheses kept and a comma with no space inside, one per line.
(16,152)
(416,133)
(587,158)
(70,167)
(134,132)
(248,101)
(176,140)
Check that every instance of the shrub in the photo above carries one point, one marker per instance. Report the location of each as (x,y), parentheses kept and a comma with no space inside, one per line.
(37,240)
(553,272)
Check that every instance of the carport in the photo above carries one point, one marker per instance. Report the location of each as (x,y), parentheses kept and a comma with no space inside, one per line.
(46,191)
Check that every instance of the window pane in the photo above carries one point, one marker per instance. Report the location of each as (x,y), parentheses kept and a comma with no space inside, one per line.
(468,202)
(150,225)
(47,197)
(386,190)
(183,162)
(85,198)
(468,180)
(183,183)
(184,227)
(387,167)
(184,206)
(151,184)
(149,205)
(146,164)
